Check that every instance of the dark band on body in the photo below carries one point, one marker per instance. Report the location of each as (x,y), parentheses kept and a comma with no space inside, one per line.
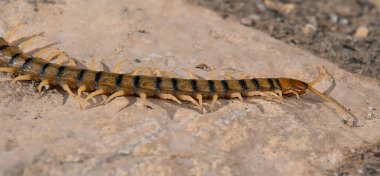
(60,71)
(26,63)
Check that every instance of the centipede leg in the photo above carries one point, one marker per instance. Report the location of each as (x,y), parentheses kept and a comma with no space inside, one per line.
(169,97)
(229,76)
(93,64)
(43,83)
(147,70)
(143,99)
(12,31)
(67,89)
(60,58)
(200,101)
(279,93)
(114,95)
(212,73)
(268,95)
(191,75)
(80,90)
(26,43)
(237,95)
(244,76)
(214,99)
(22,78)
(162,73)
(71,60)
(7,69)
(95,93)
(190,99)
(42,51)
(293,92)
(116,69)
(52,55)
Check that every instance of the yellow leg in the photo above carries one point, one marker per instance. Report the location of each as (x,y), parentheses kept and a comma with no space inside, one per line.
(52,55)
(229,76)
(114,95)
(7,69)
(26,43)
(143,99)
(162,73)
(191,99)
(116,69)
(80,90)
(214,99)
(157,72)
(237,95)
(60,58)
(43,83)
(42,51)
(12,31)
(67,89)
(167,74)
(169,97)
(93,64)
(137,70)
(200,101)
(93,94)
(71,61)
(22,78)
(191,75)
(293,92)
(244,76)
(279,93)
(212,73)
(269,95)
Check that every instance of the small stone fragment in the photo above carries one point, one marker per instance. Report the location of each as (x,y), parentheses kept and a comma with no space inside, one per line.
(309,29)
(247,21)
(280,7)
(203,66)
(361,32)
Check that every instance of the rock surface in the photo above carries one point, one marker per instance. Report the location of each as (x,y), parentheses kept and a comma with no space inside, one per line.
(48,134)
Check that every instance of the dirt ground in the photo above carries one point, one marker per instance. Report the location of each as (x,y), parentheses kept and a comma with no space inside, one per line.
(48,134)
(326,28)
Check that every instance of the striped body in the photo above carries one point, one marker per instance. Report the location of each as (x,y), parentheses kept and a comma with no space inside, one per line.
(75,77)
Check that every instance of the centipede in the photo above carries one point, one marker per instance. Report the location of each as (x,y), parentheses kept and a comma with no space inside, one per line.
(32,67)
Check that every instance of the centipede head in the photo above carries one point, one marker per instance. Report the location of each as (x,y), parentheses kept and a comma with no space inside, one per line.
(298,86)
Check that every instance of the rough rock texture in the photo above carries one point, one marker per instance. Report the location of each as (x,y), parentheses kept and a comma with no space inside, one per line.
(48,134)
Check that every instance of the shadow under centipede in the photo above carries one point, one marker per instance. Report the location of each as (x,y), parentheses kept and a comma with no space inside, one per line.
(131,101)
(258,105)
(170,110)
(331,88)
(105,67)
(218,105)
(23,39)
(34,51)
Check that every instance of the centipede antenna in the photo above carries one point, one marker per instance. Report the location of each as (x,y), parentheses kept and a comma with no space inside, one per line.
(334,102)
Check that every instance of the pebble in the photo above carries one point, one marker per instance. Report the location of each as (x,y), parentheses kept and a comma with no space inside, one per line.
(361,32)
(334,18)
(247,21)
(309,29)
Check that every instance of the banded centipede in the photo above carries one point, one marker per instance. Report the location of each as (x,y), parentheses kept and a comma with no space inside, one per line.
(32,67)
